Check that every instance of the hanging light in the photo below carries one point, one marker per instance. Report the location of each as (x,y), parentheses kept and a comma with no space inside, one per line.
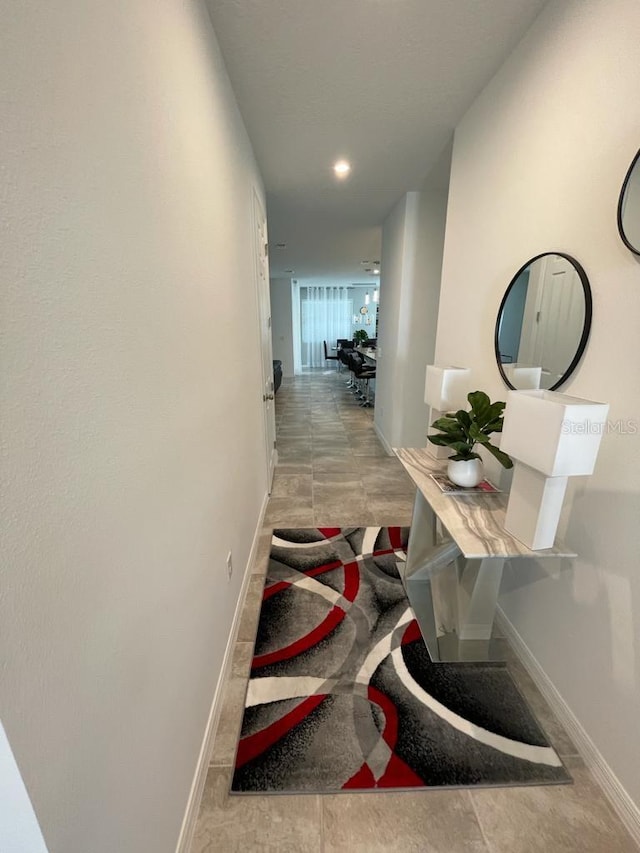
(375,296)
(366,298)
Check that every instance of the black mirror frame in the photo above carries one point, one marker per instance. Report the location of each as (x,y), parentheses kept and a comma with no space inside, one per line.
(588,313)
(625,183)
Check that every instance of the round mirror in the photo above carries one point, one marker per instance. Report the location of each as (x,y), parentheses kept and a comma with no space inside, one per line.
(629,207)
(543,322)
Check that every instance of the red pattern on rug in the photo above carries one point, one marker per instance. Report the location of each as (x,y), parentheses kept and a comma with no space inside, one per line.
(347,642)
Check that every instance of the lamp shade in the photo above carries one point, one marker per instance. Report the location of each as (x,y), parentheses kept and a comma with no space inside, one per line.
(446,388)
(553,433)
(523,376)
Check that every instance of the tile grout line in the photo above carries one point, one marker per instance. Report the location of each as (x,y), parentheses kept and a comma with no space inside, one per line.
(487,841)
(311,397)
(321,821)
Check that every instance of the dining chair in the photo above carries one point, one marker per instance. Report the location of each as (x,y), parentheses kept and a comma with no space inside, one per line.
(329,357)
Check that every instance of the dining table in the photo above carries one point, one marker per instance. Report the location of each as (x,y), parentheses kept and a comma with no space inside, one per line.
(368,353)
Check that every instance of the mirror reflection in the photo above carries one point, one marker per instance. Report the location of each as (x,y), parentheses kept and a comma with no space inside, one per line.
(629,207)
(543,322)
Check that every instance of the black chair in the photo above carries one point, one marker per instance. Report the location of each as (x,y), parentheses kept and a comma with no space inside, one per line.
(342,343)
(365,377)
(362,373)
(346,347)
(329,357)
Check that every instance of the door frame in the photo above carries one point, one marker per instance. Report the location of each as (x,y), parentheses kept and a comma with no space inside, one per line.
(263,301)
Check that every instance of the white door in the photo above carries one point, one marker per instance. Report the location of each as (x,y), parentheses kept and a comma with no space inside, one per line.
(553,318)
(561,317)
(264,317)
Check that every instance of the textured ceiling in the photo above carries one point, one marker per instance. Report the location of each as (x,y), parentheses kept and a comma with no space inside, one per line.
(382,83)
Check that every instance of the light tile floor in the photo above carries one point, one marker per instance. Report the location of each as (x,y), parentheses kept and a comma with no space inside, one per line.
(333,471)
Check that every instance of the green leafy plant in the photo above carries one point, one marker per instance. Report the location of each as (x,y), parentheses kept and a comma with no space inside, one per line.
(461,431)
(360,336)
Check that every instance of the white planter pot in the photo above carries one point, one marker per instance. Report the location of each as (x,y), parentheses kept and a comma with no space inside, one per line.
(465,473)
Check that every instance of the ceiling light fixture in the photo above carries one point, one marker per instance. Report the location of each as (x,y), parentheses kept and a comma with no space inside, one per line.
(375,296)
(341,168)
(375,271)
(366,298)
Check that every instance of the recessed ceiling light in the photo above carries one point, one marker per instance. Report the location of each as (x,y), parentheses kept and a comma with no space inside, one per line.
(281,245)
(364,263)
(289,271)
(341,168)
(376,271)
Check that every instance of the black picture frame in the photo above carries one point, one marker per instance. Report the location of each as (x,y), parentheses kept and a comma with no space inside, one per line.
(623,236)
(586,329)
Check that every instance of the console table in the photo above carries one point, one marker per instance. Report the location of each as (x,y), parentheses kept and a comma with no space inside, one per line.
(455,558)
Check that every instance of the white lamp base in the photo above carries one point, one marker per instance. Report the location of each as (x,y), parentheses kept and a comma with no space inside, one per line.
(434,450)
(534,507)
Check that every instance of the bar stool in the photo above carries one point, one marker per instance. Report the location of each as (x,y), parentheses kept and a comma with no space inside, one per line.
(342,343)
(343,354)
(366,403)
(362,373)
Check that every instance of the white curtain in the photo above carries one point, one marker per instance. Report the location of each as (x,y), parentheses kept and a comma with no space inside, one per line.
(325,315)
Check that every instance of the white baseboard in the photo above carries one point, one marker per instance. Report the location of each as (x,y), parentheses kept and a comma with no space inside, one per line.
(623,805)
(383,440)
(197,786)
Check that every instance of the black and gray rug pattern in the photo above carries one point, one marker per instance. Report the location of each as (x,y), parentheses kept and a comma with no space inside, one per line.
(343,695)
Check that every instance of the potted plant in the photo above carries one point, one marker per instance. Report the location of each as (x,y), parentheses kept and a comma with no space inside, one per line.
(461,431)
(360,337)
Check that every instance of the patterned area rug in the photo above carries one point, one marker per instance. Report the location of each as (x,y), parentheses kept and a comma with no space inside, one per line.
(343,694)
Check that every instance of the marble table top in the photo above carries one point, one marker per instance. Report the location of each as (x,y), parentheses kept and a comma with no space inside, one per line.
(474,521)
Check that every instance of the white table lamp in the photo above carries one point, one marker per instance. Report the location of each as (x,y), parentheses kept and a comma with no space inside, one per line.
(445,390)
(523,376)
(550,437)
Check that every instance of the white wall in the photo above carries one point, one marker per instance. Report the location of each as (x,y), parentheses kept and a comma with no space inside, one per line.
(281,323)
(538,162)
(412,244)
(358,295)
(390,341)
(127,269)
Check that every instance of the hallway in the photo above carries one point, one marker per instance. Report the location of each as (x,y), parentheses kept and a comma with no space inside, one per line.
(331,464)
(333,471)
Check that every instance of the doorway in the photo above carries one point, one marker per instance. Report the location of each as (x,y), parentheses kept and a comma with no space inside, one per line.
(325,313)
(261,251)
